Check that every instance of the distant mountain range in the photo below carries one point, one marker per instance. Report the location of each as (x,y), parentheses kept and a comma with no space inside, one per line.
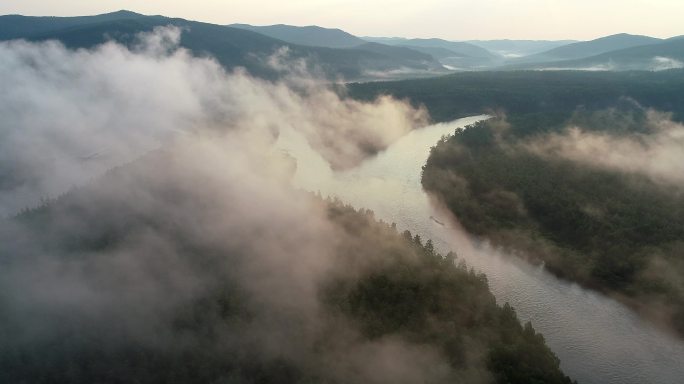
(453,54)
(17,26)
(501,54)
(232,47)
(448,53)
(313,36)
(519,48)
(584,49)
(616,52)
(663,55)
(454,46)
(339,53)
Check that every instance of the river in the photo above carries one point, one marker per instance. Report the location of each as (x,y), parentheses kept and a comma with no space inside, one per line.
(597,339)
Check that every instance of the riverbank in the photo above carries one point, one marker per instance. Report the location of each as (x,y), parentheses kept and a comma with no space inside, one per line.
(597,339)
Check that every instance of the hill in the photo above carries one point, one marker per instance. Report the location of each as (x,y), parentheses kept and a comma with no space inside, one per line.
(315,36)
(660,56)
(592,48)
(461,48)
(146,281)
(17,26)
(466,55)
(549,95)
(398,53)
(576,170)
(232,47)
(605,226)
(519,48)
(310,35)
(438,53)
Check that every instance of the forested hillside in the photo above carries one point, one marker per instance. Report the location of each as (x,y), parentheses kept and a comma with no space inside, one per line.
(232,47)
(576,169)
(142,276)
(610,227)
(595,47)
(547,97)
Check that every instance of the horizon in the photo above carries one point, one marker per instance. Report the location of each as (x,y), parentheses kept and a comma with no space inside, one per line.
(423,20)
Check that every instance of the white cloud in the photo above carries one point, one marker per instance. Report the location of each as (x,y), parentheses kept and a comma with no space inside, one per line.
(658,154)
(664,63)
(70,115)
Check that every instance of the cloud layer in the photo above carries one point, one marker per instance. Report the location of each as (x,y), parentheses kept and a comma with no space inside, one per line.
(198,207)
(70,115)
(657,153)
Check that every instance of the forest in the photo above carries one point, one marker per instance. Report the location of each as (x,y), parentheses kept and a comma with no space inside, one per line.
(606,227)
(182,193)
(545,98)
(148,279)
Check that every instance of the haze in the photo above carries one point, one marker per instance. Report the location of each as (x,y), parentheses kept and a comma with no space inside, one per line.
(448,19)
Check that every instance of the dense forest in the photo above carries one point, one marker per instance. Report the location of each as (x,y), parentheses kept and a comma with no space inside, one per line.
(545,98)
(143,277)
(509,180)
(617,231)
(180,252)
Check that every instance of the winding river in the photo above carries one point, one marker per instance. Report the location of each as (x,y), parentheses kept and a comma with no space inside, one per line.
(597,339)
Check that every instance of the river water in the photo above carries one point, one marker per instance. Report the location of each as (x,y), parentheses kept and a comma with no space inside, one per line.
(597,339)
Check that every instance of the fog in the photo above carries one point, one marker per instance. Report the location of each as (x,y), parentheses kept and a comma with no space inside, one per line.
(179,196)
(70,115)
(654,64)
(665,63)
(657,153)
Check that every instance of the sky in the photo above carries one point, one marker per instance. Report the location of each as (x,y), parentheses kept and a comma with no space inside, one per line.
(448,19)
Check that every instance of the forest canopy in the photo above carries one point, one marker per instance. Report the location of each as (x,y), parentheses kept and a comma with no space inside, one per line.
(141,276)
(580,170)
(599,202)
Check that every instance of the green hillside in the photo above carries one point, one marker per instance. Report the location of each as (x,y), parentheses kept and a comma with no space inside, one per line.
(162,297)
(17,26)
(311,35)
(595,47)
(653,57)
(608,229)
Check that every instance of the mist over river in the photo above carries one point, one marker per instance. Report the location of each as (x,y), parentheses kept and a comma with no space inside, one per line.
(597,339)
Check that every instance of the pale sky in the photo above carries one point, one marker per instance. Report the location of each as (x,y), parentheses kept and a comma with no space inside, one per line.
(448,19)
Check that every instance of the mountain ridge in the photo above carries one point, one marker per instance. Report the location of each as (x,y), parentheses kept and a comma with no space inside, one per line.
(594,47)
(232,47)
(310,35)
(668,54)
